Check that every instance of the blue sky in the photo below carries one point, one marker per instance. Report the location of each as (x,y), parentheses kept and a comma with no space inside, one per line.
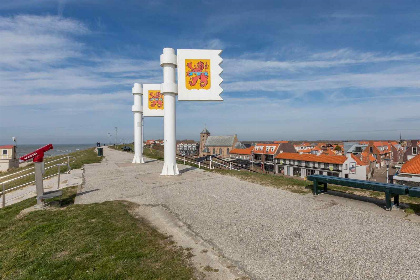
(293,70)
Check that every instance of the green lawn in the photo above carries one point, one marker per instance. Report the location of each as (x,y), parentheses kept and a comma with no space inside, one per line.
(95,241)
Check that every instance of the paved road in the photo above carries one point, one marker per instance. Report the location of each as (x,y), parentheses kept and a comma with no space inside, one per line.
(268,233)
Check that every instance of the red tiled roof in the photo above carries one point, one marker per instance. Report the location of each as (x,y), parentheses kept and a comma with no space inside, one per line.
(314,158)
(7,147)
(246,151)
(358,160)
(329,153)
(264,150)
(412,166)
(306,151)
(280,142)
(366,156)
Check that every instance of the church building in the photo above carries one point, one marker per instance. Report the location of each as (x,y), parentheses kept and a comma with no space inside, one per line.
(217,145)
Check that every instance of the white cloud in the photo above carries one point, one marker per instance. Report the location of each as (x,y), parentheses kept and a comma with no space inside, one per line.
(336,58)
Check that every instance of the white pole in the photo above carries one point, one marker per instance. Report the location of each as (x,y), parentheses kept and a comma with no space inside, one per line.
(169,89)
(39,182)
(142,136)
(138,124)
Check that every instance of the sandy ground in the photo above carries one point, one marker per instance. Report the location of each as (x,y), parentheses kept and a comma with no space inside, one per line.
(263,232)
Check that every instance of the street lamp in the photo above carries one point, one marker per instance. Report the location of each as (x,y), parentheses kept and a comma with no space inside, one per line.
(387,160)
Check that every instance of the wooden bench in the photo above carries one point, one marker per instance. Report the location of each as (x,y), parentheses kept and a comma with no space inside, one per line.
(390,190)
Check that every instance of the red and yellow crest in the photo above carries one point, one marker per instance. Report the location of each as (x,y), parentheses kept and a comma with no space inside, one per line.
(155,100)
(197,73)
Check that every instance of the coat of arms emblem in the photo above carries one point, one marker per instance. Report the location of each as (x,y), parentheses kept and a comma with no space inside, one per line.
(155,98)
(197,74)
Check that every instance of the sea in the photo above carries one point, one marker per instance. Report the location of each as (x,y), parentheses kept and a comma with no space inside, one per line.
(59,149)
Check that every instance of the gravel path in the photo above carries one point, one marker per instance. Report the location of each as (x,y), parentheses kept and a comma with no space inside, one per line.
(267,232)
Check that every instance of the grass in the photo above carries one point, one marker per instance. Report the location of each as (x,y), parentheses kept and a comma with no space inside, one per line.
(81,157)
(147,151)
(292,184)
(271,180)
(95,241)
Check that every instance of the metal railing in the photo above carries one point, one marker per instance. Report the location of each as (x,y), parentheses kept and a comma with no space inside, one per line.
(31,168)
(4,190)
(213,163)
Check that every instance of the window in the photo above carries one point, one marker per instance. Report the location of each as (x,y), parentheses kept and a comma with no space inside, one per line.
(214,151)
(414,150)
(4,152)
(220,151)
(345,166)
(228,150)
(371,150)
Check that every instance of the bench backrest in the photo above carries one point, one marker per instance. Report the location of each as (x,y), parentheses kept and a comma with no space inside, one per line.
(361,184)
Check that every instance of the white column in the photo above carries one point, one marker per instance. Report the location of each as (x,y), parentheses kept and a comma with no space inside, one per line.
(138,123)
(169,89)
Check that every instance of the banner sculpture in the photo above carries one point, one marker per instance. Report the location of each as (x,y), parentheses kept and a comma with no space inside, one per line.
(138,124)
(153,101)
(199,75)
(198,79)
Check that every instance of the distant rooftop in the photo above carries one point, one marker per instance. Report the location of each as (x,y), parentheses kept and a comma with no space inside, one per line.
(205,131)
(220,141)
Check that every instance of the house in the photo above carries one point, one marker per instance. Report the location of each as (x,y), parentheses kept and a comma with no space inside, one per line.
(217,145)
(243,154)
(411,150)
(187,147)
(302,165)
(152,142)
(373,148)
(409,174)
(264,154)
(303,146)
(8,157)
(354,148)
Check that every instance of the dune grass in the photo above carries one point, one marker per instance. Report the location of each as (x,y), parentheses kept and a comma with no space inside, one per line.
(95,241)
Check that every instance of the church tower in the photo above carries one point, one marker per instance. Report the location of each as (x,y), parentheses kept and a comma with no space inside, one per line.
(203,138)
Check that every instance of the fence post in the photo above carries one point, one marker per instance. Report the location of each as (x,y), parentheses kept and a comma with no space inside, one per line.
(199,165)
(68,164)
(210,162)
(230,165)
(3,198)
(58,183)
(184,160)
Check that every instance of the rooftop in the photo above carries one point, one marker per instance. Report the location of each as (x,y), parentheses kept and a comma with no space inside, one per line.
(412,166)
(205,131)
(313,158)
(7,147)
(246,151)
(220,141)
